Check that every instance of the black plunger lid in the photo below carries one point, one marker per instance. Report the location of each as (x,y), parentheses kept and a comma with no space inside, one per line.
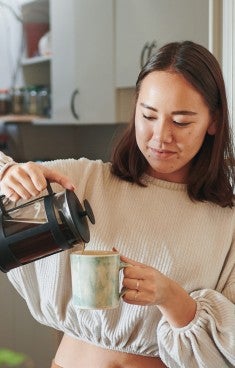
(77,216)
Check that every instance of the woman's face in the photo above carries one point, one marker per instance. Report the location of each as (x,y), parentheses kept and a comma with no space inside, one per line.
(171,122)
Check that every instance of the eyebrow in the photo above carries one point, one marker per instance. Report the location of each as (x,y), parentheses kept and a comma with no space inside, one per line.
(179,112)
(148,107)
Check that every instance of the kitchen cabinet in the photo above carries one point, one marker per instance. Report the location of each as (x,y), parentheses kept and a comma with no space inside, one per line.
(80,70)
(143,26)
(34,98)
(36,69)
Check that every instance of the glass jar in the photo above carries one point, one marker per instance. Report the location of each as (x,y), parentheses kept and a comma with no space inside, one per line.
(31,100)
(44,105)
(5,102)
(17,97)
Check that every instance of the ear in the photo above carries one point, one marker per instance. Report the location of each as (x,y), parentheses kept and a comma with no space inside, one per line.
(212,128)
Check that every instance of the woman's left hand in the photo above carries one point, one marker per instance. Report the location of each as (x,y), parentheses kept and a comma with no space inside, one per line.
(144,285)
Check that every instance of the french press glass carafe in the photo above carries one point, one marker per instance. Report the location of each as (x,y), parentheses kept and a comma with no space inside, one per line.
(42,227)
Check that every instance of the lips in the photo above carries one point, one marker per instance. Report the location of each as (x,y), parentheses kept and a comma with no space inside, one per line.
(161,153)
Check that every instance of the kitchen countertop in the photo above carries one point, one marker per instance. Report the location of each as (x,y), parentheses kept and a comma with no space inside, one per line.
(38,120)
(22,119)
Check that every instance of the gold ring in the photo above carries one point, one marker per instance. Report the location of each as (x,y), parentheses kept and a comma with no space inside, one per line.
(136,295)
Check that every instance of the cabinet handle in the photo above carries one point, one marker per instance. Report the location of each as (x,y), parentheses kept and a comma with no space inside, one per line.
(146,52)
(72,105)
(151,48)
(143,58)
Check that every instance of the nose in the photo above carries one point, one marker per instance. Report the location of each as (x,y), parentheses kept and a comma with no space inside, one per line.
(162,131)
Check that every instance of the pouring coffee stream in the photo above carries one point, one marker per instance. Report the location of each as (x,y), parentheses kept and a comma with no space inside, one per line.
(42,227)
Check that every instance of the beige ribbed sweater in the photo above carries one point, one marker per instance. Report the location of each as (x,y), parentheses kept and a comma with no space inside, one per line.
(192,243)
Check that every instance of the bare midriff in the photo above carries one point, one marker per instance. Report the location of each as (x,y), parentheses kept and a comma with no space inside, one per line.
(73,353)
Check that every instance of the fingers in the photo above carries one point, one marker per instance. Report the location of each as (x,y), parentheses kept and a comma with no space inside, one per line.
(135,291)
(138,297)
(144,284)
(12,184)
(134,297)
(131,261)
(29,179)
(133,284)
(9,193)
(55,177)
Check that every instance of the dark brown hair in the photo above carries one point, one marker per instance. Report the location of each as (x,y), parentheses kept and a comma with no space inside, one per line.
(211,176)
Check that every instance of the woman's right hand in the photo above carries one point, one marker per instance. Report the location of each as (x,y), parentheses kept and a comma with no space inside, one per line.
(29,179)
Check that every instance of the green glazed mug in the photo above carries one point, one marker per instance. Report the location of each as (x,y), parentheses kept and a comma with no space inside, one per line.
(95,279)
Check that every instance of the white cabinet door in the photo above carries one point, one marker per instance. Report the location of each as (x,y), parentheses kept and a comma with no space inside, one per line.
(146,21)
(82,68)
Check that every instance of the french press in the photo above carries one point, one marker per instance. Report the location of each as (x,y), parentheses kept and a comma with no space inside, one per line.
(41,227)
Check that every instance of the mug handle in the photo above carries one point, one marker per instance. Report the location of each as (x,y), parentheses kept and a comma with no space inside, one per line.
(123,265)
(122,292)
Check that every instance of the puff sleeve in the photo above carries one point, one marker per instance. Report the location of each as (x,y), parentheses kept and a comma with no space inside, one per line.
(209,339)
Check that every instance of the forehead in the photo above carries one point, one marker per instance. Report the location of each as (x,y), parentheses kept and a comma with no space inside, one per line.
(171,87)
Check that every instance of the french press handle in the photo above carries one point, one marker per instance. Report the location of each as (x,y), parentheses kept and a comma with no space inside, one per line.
(2,207)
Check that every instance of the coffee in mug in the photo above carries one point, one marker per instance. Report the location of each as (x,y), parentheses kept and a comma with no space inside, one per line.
(95,279)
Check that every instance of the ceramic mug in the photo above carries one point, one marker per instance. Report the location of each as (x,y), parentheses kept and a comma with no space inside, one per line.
(95,279)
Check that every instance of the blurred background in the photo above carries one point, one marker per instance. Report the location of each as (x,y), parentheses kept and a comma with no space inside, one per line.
(67,77)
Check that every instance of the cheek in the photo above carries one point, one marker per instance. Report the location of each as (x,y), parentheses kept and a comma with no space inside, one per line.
(194,141)
(198,137)
(139,137)
(142,133)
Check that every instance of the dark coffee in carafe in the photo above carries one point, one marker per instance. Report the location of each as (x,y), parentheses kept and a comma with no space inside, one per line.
(40,244)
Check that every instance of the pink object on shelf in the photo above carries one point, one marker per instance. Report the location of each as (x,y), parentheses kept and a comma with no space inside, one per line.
(33,33)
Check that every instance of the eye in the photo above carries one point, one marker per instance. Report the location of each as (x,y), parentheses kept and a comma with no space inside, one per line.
(149,117)
(181,124)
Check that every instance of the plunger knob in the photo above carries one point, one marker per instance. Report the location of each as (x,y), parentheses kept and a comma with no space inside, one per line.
(88,211)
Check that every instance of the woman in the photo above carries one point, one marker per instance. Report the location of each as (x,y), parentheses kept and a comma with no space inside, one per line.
(166,203)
